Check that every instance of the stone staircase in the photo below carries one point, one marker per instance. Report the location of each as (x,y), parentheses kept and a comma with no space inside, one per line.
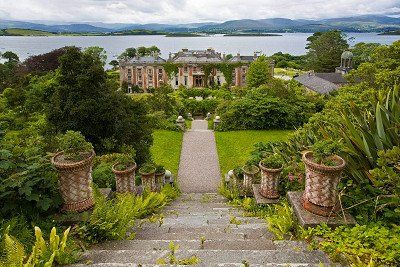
(203,225)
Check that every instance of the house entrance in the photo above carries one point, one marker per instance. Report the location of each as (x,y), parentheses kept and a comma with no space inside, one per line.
(198,81)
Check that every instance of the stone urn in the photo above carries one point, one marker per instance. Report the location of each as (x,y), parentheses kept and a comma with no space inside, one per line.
(320,195)
(249,174)
(75,179)
(269,182)
(159,181)
(148,178)
(125,179)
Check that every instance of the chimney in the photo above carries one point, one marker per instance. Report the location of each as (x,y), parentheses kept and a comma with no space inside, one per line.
(170,56)
(185,50)
(238,55)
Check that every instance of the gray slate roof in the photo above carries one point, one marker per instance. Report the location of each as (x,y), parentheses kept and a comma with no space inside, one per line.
(197,56)
(144,60)
(322,83)
(242,59)
(333,77)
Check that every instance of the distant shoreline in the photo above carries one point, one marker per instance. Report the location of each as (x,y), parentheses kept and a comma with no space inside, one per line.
(253,34)
(390,33)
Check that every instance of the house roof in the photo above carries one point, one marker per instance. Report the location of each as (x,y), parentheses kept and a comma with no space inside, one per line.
(144,60)
(239,58)
(196,56)
(322,83)
(333,77)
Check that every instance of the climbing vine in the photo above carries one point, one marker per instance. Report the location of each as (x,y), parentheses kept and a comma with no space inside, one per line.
(207,69)
(171,68)
(226,68)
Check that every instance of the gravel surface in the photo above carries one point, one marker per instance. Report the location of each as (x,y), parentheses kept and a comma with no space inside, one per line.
(199,168)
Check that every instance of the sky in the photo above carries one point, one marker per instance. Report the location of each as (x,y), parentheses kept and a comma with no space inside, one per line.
(186,11)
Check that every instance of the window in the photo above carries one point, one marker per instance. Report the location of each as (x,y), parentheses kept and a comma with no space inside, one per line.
(140,84)
(160,71)
(176,81)
(150,71)
(186,80)
(150,77)
(185,69)
(139,74)
(218,80)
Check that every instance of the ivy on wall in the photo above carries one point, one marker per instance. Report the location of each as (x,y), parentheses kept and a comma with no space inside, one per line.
(226,68)
(171,68)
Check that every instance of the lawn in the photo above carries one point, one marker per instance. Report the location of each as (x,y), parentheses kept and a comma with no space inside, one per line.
(166,149)
(235,147)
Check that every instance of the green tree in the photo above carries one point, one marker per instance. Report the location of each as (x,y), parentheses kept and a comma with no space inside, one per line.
(325,50)
(128,54)
(83,101)
(11,57)
(259,72)
(97,52)
(114,63)
(362,52)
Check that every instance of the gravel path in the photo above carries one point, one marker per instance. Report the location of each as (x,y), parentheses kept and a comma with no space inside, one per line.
(199,168)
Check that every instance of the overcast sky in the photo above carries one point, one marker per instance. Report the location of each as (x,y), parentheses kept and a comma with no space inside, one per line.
(183,11)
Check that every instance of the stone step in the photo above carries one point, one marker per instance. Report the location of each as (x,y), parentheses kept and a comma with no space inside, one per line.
(198,220)
(200,265)
(210,256)
(208,232)
(221,244)
(229,234)
(206,228)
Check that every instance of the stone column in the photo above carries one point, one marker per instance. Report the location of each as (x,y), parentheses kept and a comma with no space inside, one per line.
(217,121)
(181,123)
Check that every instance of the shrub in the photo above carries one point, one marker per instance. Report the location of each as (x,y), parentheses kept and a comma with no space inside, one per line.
(360,243)
(323,151)
(110,220)
(280,220)
(103,176)
(84,101)
(267,107)
(74,145)
(160,169)
(147,168)
(273,161)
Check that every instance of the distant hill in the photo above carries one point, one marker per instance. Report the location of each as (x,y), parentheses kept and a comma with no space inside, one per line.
(24,32)
(371,23)
(75,28)
(367,23)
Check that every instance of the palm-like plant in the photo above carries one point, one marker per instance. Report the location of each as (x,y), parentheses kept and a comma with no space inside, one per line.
(364,133)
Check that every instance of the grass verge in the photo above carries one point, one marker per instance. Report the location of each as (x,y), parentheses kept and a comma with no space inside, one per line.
(234,147)
(166,149)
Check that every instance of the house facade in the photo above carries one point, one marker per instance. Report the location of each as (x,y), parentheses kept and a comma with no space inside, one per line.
(148,72)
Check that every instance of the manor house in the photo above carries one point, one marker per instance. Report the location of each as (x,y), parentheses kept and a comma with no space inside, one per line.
(148,71)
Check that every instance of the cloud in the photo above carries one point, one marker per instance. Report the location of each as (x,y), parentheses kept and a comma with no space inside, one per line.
(183,11)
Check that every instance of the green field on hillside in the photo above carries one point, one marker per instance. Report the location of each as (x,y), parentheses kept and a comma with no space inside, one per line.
(24,32)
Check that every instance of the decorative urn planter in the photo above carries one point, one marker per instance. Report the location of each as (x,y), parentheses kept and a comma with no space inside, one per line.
(148,179)
(320,195)
(159,181)
(249,173)
(269,182)
(75,178)
(125,179)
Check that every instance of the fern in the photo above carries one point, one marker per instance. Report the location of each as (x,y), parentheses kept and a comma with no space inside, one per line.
(42,254)
(14,251)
